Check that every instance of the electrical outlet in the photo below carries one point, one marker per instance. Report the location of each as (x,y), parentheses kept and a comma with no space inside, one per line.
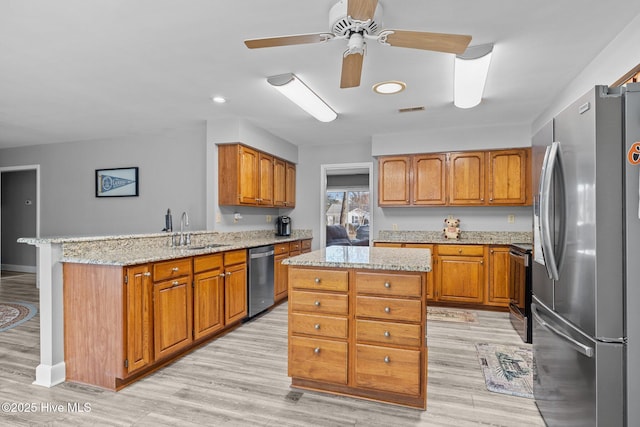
(511,218)
(269,219)
(394,226)
(218,218)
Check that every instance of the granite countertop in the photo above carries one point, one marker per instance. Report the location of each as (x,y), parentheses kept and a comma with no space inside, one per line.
(123,250)
(365,257)
(466,237)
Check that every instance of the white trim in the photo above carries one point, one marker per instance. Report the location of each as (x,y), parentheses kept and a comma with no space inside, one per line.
(348,169)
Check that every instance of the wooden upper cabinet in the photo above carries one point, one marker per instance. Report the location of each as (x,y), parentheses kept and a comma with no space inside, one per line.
(290,185)
(279,182)
(429,179)
(394,180)
(265,180)
(466,178)
(248,177)
(507,182)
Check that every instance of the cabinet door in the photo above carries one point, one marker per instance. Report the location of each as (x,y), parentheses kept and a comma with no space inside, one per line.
(279,182)
(507,177)
(235,293)
(248,176)
(172,319)
(394,181)
(429,179)
(208,303)
(290,185)
(498,292)
(265,182)
(280,282)
(460,278)
(466,178)
(139,317)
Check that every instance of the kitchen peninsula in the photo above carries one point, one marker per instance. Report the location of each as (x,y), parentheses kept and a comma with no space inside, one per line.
(103,267)
(357,322)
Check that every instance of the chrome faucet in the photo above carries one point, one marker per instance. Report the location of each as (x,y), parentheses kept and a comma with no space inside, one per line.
(184,222)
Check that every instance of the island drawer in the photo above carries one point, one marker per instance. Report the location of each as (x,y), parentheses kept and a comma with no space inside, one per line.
(321,326)
(409,285)
(402,334)
(319,302)
(318,359)
(207,262)
(389,308)
(314,278)
(465,250)
(170,269)
(389,369)
(305,245)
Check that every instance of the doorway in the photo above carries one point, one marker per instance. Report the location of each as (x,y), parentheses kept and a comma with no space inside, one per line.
(346,202)
(19,217)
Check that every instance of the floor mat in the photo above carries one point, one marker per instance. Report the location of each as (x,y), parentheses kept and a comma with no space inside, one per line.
(13,314)
(507,369)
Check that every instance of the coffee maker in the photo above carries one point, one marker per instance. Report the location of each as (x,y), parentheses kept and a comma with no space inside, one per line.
(283,226)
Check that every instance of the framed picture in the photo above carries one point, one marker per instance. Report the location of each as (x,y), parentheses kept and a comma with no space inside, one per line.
(119,182)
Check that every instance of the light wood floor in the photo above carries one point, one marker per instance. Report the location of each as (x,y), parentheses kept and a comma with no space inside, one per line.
(241,380)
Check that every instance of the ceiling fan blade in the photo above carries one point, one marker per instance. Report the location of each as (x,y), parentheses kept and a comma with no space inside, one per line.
(448,43)
(288,40)
(351,70)
(361,9)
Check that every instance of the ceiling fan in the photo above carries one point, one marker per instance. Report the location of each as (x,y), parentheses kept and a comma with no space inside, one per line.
(357,21)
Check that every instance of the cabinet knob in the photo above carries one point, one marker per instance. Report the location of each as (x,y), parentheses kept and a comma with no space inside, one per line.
(228,273)
(317,326)
(491,199)
(386,359)
(221,275)
(175,283)
(174,269)
(387,334)
(459,251)
(387,285)
(316,350)
(317,280)
(317,303)
(387,309)
(481,262)
(146,273)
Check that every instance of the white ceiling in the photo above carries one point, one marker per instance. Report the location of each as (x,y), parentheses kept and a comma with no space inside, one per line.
(74,70)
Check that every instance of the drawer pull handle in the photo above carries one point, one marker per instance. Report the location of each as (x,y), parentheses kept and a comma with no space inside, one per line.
(387,334)
(317,326)
(386,359)
(317,303)
(174,269)
(146,273)
(317,280)
(316,350)
(387,309)
(387,285)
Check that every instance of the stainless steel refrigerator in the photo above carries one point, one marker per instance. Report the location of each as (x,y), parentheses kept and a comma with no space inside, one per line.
(586,269)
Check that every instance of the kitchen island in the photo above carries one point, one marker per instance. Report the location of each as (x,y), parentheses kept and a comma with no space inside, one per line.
(357,323)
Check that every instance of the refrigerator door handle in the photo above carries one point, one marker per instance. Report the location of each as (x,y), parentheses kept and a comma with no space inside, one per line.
(551,161)
(584,349)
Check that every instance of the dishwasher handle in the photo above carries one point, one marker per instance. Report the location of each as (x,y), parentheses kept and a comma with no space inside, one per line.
(261,254)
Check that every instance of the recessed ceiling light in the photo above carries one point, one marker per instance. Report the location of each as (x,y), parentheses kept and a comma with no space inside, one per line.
(219,99)
(389,88)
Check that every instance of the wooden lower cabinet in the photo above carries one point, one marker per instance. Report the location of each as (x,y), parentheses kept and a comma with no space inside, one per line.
(461,273)
(121,323)
(498,286)
(280,277)
(359,333)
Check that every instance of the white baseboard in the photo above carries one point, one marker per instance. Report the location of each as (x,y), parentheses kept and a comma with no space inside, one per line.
(19,268)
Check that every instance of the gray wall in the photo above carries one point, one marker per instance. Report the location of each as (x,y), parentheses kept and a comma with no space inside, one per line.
(171,175)
(18,218)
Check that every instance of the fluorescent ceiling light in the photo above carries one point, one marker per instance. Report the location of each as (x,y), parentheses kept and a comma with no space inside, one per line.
(294,89)
(471,70)
(389,87)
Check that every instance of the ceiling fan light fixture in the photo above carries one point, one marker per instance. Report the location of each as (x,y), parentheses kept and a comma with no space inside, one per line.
(389,87)
(299,93)
(470,75)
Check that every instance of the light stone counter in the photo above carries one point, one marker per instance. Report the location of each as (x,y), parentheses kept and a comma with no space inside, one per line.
(364,257)
(466,237)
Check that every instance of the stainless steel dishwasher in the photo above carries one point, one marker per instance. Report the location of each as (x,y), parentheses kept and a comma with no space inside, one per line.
(260,283)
